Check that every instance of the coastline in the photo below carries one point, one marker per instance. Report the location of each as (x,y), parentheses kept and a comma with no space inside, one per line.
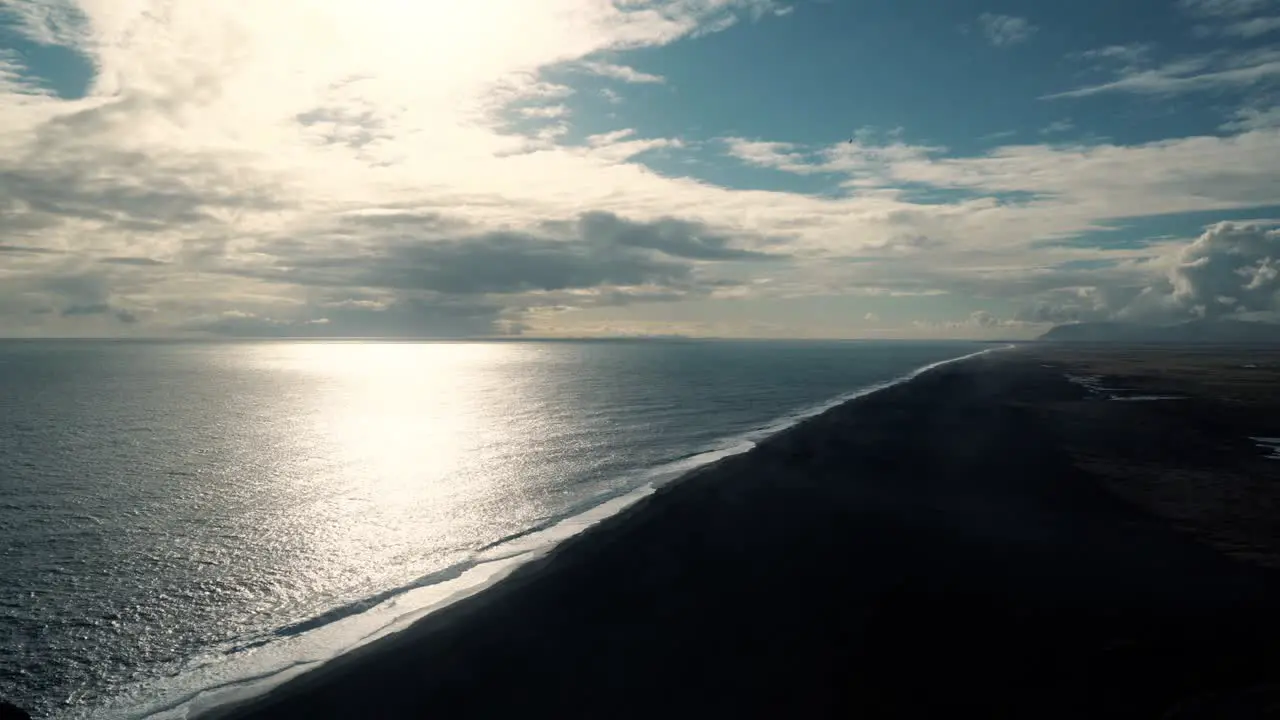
(923,548)
(254,675)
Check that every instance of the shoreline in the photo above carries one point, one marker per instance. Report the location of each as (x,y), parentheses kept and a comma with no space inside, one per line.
(234,693)
(234,686)
(819,567)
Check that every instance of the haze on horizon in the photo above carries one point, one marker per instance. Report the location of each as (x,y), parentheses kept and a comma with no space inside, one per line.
(730,168)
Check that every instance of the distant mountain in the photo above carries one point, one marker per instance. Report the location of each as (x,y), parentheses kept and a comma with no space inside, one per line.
(1195,331)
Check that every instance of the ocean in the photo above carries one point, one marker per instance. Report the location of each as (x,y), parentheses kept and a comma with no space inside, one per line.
(184,521)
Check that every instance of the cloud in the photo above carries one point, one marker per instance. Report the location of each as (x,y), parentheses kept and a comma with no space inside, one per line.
(982,318)
(123,316)
(1057,126)
(237,144)
(1196,73)
(977,247)
(434,275)
(84,298)
(776,155)
(1128,54)
(363,167)
(51,22)
(97,309)
(15,80)
(1047,313)
(134,261)
(624,73)
(610,138)
(980,321)
(26,249)
(1086,303)
(672,237)
(543,111)
(1121,60)
(1252,27)
(494,263)
(1223,8)
(863,159)
(1248,119)
(1231,268)
(1004,30)
(1062,184)
(415,318)
(1231,18)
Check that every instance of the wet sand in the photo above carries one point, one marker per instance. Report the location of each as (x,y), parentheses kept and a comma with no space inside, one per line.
(988,538)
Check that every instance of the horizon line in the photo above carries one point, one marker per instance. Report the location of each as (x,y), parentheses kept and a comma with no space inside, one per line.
(489,338)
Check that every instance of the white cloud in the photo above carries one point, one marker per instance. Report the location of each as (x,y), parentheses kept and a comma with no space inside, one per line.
(1224,8)
(355,162)
(1003,30)
(999,135)
(979,322)
(864,162)
(48,22)
(1129,52)
(1254,118)
(1232,267)
(1190,74)
(1252,27)
(1232,17)
(1175,175)
(610,138)
(619,145)
(624,73)
(544,111)
(1074,182)
(215,136)
(776,155)
(981,245)
(14,81)
(982,318)
(1057,126)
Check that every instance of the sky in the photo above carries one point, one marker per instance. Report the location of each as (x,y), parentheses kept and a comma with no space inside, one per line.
(574,168)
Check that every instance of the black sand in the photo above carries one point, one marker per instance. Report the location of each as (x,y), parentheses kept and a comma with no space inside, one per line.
(955,544)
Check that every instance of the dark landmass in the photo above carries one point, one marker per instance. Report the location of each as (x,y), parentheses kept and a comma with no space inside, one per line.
(1215,400)
(1195,331)
(990,539)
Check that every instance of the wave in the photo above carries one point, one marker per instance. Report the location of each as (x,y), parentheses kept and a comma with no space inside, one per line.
(257,665)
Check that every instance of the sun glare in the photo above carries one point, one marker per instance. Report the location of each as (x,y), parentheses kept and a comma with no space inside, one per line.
(404,418)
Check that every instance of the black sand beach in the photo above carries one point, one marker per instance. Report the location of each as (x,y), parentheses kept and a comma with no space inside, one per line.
(989,538)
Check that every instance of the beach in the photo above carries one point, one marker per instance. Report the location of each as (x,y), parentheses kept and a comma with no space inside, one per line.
(1043,532)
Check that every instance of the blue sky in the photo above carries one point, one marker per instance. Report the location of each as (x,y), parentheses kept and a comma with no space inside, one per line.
(818,75)
(588,167)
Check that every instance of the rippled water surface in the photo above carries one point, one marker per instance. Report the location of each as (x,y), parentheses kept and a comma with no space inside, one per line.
(167,506)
